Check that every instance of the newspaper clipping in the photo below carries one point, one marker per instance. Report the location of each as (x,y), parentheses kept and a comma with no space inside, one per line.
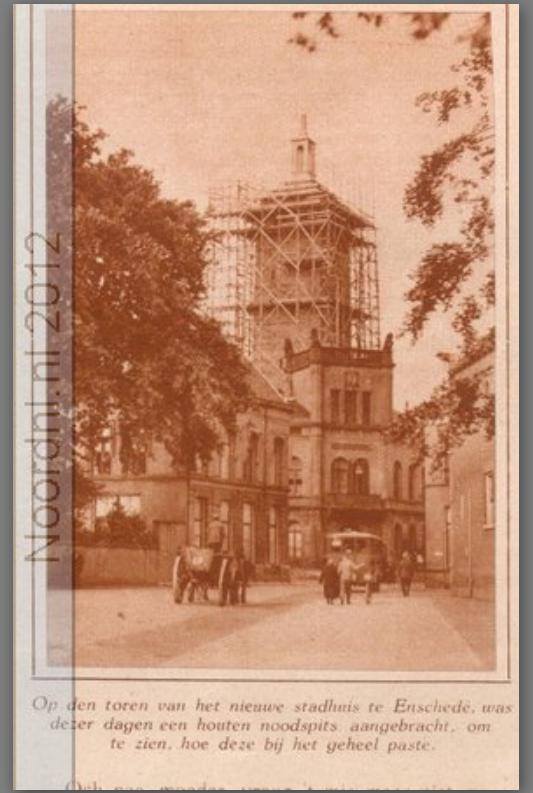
(266,397)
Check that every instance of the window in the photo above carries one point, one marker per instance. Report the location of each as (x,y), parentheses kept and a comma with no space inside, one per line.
(132,454)
(295,480)
(366,418)
(361,477)
(138,459)
(223,461)
(279,462)
(335,398)
(251,463)
(104,454)
(248,544)
(273,535)
(130,504)
(295,543)
(489,499)
(350,408)
(397,481)
(202,465)
(413,489)
(105,505)
(199,523)
(224,518)
(339,476)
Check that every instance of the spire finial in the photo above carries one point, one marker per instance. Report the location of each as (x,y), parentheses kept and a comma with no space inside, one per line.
(303,153)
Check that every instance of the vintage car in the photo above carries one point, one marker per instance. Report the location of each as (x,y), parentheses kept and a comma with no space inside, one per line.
(368,551)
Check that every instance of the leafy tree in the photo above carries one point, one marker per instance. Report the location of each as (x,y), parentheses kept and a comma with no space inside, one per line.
(455,276)
(144,353)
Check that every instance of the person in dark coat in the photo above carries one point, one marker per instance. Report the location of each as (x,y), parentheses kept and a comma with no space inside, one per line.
(330,580)
(406,572)
(243,575)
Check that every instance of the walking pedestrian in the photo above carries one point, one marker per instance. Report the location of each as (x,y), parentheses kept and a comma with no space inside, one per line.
(330,580)
(347,571)
(406,571)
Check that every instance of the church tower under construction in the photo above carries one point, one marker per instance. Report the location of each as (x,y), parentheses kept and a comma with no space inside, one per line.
(293,280)
(293,263)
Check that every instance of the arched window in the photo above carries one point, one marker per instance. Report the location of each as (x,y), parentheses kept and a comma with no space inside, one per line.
(361,477)
(295,477)
(279,462)
(413,488)
(339,475)
(397,481)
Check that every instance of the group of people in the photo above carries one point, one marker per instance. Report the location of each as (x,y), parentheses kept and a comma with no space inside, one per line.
(338,577)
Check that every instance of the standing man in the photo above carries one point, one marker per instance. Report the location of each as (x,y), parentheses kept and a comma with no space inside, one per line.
(347,570)
(406,571)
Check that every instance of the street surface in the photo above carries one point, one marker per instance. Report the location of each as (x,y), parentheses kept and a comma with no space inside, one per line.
(283,627)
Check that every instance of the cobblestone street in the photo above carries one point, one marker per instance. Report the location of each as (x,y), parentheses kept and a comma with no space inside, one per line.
(282,627)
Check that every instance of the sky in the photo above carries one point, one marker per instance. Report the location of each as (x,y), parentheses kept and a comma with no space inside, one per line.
(205,97)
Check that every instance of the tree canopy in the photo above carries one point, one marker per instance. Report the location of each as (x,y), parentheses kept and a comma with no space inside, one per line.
(144,353)
(455,276)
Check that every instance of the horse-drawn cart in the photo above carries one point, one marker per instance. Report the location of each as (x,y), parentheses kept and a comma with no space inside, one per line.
(201,569)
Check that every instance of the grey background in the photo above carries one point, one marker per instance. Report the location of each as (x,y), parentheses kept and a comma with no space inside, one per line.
(6,434)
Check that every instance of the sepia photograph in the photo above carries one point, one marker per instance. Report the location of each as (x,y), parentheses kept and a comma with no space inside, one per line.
(283,341)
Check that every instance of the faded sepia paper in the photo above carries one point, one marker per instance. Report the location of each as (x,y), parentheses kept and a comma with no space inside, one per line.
(266,397)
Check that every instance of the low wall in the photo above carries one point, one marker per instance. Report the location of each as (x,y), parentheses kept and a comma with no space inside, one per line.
(118,566)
